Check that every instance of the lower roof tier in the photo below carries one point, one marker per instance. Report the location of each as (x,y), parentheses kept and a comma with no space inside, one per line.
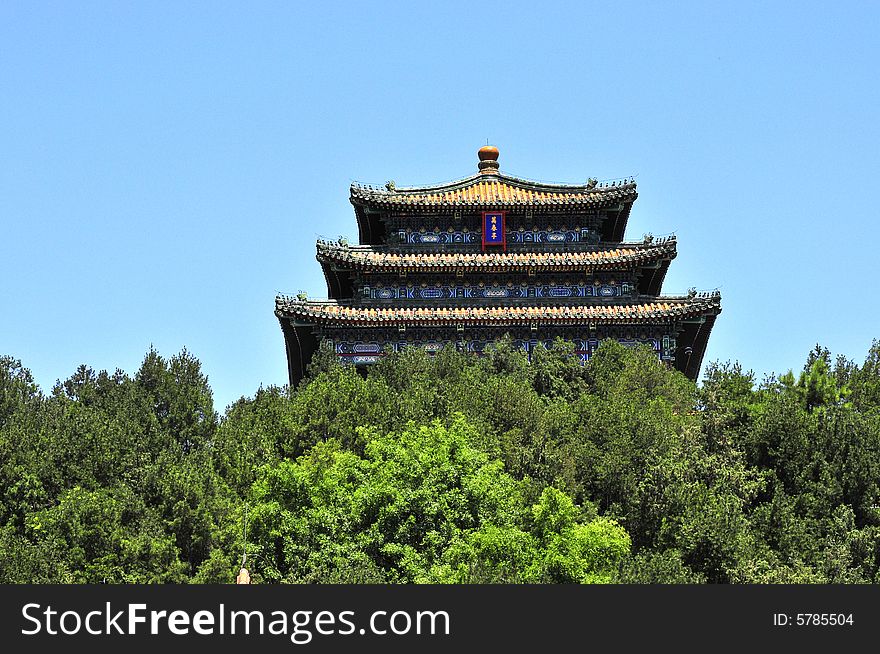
(681,344)
(653,310)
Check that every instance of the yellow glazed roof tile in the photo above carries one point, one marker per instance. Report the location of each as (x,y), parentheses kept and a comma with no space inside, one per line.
(496,191)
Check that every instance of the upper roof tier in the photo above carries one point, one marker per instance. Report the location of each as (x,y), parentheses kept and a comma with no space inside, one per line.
(499,191)
(492,189)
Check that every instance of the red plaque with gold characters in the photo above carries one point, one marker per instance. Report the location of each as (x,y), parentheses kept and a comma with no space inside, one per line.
(493,229)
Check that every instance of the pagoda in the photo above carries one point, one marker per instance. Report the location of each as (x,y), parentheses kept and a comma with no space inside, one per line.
(467,262)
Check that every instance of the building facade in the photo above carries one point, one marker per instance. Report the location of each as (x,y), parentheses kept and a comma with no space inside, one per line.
(467,262)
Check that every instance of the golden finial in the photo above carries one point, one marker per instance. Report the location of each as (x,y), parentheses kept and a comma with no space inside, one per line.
(488,155)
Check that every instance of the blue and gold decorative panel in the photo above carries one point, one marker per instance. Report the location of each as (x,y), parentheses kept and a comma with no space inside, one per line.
(424,237)
(385,293)
(518,236)
(360,359)
(552,236)
(503,292)
(357,348)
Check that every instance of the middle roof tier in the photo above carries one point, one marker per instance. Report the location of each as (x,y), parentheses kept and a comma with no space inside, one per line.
(372,258)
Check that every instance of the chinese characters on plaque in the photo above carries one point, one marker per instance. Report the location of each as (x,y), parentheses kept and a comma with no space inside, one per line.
(493,229)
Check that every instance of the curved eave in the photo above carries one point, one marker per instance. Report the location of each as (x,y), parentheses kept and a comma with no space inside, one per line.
(337,314)
(691,344)
(614,229)
(369,229)
(651,277)
(300,343)
(339,282)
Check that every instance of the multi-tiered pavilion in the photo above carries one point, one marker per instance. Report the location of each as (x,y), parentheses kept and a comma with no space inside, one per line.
(467,262)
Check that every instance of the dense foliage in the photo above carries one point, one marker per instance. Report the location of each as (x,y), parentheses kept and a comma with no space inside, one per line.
(446,469)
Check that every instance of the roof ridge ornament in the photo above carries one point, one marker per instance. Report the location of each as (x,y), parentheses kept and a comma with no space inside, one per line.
(488,164)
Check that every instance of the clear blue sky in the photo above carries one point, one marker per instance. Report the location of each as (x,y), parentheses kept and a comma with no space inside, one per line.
(165,168)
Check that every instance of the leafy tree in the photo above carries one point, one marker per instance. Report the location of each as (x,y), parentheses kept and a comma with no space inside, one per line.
(657,567)
(865,381)
(106,536)
(179,396)
(420,505)
(17,388)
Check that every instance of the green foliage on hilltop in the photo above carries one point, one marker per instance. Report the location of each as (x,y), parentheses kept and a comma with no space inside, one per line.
(446,469)
(422,505)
